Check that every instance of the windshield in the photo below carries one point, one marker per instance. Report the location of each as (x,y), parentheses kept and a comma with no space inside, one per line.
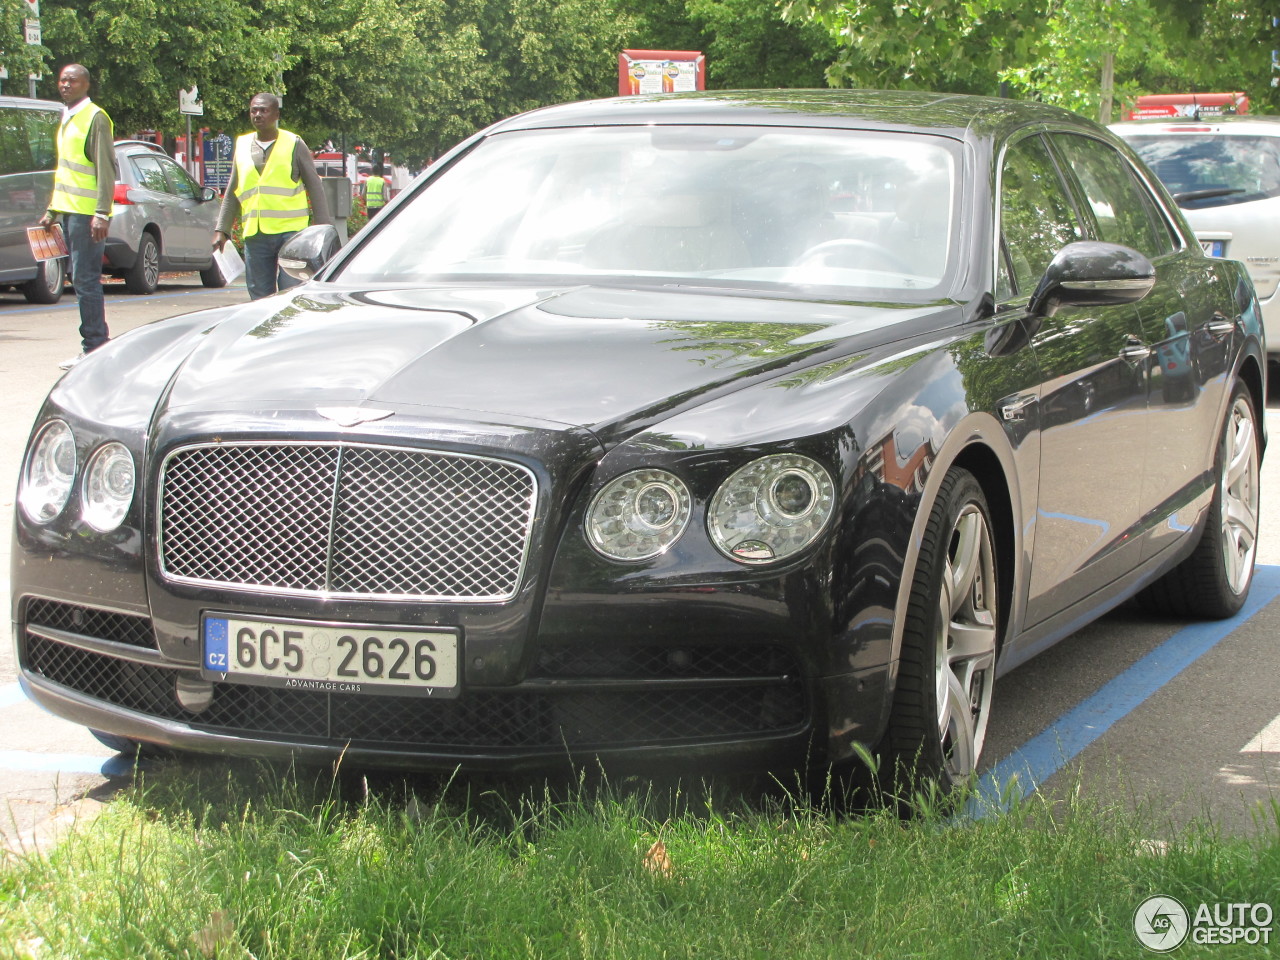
(1208,170)
(730,206)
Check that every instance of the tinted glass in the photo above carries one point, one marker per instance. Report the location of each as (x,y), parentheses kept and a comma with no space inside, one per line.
(27,140)
(1036,216)
(150,173)
(1119,203)
(1212,170)
(733,205)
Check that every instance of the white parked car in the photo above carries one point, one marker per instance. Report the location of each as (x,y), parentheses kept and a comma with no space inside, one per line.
(1225,175)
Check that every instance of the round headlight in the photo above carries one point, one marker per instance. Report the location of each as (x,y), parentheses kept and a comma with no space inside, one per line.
(108,487)
(49,472)
(771,508)
(638,515)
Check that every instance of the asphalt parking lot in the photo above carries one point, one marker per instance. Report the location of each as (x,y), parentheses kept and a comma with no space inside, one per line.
(1179,715)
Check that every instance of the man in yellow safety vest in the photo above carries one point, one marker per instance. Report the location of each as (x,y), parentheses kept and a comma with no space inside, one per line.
(272,179)
(376,192)
(83,188)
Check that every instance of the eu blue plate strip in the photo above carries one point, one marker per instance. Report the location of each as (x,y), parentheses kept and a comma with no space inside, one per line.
(1029,765)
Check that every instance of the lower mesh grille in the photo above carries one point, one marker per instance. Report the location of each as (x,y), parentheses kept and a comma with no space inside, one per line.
(91,622)
(517,719)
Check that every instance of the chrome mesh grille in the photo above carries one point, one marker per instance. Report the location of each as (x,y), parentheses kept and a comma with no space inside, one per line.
(345,519)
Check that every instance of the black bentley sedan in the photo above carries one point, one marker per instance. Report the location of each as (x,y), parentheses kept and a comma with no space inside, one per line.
(725,429)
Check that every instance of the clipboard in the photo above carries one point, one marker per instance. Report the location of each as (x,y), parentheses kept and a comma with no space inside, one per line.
(47,243)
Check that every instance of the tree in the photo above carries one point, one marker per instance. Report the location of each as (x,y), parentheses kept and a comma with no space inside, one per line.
(17,56)
(142,52)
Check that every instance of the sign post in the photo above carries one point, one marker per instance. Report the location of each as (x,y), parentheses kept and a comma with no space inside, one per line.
(31,30)
(190,105)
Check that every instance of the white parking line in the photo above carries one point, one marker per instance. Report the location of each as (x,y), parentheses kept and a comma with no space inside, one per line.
(1267,740)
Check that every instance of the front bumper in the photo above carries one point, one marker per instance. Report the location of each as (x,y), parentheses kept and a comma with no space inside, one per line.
(732,706)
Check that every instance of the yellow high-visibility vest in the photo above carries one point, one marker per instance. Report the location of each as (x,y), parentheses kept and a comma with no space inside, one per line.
(270,202)
(75,184)
(375,191)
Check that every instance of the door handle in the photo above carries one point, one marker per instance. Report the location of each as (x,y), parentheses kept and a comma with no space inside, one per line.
(1220,327)
(1014,409)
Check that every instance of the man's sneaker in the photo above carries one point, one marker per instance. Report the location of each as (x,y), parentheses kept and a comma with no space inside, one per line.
(70,362)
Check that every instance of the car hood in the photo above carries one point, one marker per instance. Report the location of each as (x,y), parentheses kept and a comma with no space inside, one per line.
(599,358)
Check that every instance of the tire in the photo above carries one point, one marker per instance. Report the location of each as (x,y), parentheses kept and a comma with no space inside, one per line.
(951,635)
(1213,583)
(212,276)
(51,276)
(144,276)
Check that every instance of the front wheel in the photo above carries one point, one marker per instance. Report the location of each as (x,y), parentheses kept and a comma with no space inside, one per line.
(211,276)
(1214,581)
(951,633)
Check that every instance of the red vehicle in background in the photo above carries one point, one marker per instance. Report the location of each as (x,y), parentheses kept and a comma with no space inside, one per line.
(1195,106)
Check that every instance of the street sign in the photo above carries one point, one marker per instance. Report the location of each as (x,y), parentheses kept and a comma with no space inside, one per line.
(32,30)
(188,104)
(33,9)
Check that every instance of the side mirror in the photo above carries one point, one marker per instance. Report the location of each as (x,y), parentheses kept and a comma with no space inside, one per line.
(207,194)
(1092,274)
(307,251)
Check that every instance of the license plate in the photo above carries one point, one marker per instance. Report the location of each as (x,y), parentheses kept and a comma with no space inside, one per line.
(1212,248)
(331,657)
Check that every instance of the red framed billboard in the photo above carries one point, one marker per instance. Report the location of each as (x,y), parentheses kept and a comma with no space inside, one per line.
(661,71)
(1196,105)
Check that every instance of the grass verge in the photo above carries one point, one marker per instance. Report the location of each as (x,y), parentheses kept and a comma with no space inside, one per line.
(230,861)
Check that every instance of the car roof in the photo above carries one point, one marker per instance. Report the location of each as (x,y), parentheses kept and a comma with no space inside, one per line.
(959,115)
(141,144)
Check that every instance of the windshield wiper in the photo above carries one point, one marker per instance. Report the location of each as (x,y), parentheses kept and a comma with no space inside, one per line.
(1190,195)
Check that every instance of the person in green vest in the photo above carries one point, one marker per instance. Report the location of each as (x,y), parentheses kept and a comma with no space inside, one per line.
(376,191)
(273,179)
(83,187)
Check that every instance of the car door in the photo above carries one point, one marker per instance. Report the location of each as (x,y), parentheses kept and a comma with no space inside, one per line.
(1091,397)
(193,238)
(27,159)
(163,208)
(1190,345)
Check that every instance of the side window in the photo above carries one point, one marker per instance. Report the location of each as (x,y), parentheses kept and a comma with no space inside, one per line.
(27,140)
(1036,216)
(150,173)
(1121,205)
(179,180)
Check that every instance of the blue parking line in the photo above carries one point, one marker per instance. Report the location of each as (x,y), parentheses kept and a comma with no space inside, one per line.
(1031,764)
(11,695)
(23,761)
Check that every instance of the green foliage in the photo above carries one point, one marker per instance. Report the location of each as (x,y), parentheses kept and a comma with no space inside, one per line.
(228,861)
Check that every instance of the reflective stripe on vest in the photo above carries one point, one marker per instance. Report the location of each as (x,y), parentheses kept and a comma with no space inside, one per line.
(270,202)
(374,190)
(75,184)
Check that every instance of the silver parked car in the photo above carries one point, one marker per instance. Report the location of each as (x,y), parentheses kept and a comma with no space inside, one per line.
(161,220)
(1225,175)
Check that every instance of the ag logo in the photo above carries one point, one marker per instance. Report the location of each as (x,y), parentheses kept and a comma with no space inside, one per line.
(1161,924)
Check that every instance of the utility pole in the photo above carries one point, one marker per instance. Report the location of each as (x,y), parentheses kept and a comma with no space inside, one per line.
(1108,87)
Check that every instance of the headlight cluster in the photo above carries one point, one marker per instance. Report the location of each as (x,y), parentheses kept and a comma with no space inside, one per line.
(639,514)
(49,476)
(766,511)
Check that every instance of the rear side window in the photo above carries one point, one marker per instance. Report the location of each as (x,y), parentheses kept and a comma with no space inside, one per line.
(1213,170)
(1037,218)
(1122,207)
(150,174)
